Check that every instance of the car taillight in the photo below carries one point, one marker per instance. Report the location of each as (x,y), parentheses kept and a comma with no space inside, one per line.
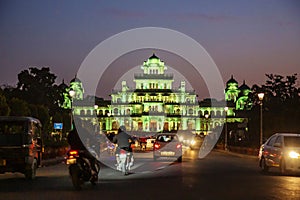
(122,151)
(73,153)
(178,146)
(156,146)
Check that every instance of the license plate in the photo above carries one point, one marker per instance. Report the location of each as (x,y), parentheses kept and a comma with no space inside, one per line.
(2,162)
(167,153)
(71,161)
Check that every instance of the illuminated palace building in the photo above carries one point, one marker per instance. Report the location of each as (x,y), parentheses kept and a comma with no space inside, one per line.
(155,106)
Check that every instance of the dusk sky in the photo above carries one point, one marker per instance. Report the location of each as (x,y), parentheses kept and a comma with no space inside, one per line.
(246,39)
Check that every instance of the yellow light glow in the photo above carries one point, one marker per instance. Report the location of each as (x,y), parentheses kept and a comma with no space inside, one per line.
(294,154)
(261,96)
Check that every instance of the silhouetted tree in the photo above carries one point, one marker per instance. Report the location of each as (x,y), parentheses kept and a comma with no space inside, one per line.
(4,108)
(19,107)
(37,86)
(281,110)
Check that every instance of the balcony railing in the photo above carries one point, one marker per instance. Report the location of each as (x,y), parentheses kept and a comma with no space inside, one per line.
(154,76)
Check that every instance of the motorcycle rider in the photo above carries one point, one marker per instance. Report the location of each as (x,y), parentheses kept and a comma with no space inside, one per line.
(76,143)
(124,141)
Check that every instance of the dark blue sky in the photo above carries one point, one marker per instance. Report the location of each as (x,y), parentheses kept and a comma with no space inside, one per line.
(244,38)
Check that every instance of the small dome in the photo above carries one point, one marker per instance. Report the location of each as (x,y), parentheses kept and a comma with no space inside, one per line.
(153,57)
(244,87)
(75,79)
(63,85)
(232,80)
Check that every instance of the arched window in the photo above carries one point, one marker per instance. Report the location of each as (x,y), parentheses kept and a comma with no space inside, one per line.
(88,112)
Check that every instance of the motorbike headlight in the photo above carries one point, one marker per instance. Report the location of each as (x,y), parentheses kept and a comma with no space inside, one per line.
(293,154)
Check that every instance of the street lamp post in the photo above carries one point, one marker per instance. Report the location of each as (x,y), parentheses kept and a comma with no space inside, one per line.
(108,121)
(225,145)
(72,95)
(206,120)
(96,121)
(261,97)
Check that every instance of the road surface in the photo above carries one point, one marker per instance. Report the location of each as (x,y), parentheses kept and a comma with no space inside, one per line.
(220,175)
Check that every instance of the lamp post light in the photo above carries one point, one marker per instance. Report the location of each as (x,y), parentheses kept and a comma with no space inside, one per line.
(72,93)
(225,142)
(261,97)
(96,107)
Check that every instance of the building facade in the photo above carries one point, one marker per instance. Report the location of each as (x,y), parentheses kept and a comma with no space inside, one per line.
(154,105)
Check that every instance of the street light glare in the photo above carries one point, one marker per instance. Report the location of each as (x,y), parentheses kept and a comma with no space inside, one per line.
(261,96)
(226,109)
(72,93)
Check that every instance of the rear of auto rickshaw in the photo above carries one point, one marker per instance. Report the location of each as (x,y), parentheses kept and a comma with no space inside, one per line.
(20,145)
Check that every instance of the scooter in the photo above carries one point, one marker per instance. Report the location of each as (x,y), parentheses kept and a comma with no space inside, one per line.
(80,168)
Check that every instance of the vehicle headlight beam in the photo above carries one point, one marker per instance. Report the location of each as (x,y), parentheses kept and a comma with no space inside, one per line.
(293,154)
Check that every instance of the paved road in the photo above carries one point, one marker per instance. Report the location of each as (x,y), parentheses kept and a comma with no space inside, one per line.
(218,176)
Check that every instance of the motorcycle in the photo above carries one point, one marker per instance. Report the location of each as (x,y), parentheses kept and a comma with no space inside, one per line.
(80,168)
(124,161)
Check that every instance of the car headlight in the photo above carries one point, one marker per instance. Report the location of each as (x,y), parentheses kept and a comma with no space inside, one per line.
(293,154)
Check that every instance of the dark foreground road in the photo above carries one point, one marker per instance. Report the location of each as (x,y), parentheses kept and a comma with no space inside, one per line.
(218,176)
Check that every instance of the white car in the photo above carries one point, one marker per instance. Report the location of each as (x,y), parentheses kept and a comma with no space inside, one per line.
(281,150)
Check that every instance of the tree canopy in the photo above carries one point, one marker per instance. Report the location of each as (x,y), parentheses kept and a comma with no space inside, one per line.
(281,103)
(36,95)
(37,86)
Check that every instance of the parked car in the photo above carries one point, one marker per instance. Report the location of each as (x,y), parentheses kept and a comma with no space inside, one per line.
(281,150)
(20,145)
(167,145)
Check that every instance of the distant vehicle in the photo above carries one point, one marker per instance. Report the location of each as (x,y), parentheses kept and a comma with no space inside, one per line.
(167,145)
(196,142)
(146,143)
(187,139)
(20,145)
(281,150)
(150,142)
